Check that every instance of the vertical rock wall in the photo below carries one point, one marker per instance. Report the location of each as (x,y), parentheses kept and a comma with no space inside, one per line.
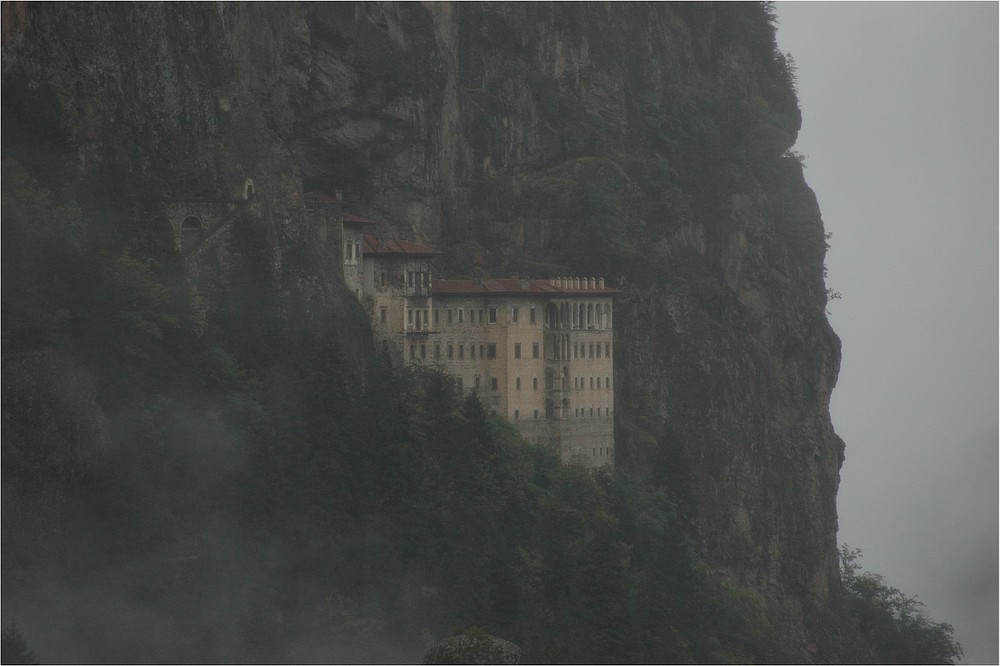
(645,142)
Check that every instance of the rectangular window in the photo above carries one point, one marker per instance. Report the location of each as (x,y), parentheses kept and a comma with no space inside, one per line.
(409,316)
(481,317)
(383,278)
(598,350)
(461,385)
(534,350)
(607,382)
(517,414)
(513,315)
(472,351)
(591,350)
(382,316)
(427,318)
(517,350)
(437,351)
(494,384)
(451,351)
(575,354)
(461,352)
(413,352)
(536,413)
(423,351)
(461,315)
(437,316)
(531,315)
(347,251)
(477,383)
(534,383)
(357,250)
(491,350)
(591,411)
(517,383)
(591,382)
(607,349)
(450,312)
(410,277)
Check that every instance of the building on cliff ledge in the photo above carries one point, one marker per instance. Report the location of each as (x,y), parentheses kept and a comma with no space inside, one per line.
(538,352)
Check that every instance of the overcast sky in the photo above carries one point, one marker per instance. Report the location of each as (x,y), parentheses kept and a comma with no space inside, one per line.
(899,106)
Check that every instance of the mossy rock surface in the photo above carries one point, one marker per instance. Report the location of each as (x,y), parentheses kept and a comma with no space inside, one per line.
(473,647)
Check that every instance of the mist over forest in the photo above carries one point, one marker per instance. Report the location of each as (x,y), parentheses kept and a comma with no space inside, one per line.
(206,456)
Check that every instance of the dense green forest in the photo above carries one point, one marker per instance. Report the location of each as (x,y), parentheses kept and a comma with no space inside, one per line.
(263,503)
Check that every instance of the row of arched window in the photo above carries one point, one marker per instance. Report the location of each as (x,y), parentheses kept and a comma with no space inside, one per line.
(578,315)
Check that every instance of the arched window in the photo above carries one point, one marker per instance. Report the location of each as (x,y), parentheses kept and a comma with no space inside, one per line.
(550,408)
(191,223)
(248,190)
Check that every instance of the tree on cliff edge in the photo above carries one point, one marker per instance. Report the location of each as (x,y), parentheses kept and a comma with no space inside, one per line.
(892,625)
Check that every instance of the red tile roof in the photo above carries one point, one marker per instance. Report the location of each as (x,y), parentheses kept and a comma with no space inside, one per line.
(350,218)
(318,197)
(390,247)
(514,286)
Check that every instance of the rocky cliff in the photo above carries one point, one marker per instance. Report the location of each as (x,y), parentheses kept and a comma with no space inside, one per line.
(644,142)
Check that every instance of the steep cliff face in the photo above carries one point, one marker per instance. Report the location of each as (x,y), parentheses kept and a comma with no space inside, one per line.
(646,143)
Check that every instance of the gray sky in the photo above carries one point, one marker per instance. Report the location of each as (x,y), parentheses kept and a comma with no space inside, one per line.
(899,105)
